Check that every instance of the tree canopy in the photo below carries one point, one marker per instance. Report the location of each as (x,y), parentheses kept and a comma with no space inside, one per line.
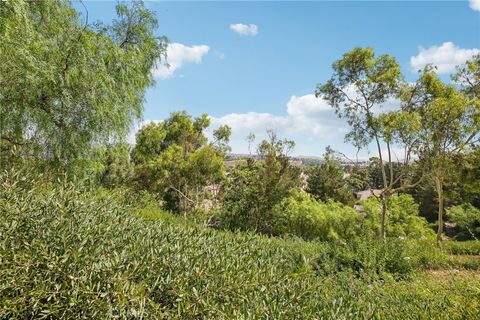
(174,159)
(67,85)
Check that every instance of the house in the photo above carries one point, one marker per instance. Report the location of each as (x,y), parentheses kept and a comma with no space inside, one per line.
(365,194)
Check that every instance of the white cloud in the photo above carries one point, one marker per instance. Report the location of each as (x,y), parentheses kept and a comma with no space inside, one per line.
(179,54)
(251,122)
(307,104)
(306,116)
(445,57)
(308,120)
(475,5)
(244,29)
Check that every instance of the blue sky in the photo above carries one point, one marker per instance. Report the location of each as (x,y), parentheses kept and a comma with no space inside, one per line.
(264,78)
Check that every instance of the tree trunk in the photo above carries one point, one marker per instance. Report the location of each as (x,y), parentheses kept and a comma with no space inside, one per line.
(385,187)
(439,188)
(383,232)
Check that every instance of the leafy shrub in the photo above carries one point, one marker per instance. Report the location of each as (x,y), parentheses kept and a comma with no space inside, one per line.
(462,247)
(423,253)
(467,218)
(402,217)
(365,257)
(303,216)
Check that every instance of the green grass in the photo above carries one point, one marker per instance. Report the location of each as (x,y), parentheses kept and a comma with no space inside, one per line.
(68,254)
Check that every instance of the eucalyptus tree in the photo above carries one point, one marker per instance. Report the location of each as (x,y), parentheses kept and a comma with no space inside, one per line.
(361,85)
(450,122)
(67,85)
(467,77)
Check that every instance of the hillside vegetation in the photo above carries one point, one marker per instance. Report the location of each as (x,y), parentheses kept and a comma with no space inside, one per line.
(96,226)
(67,253)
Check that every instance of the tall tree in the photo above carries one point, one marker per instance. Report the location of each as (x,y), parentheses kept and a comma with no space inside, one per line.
(449,124)
(67,85)
(361,85)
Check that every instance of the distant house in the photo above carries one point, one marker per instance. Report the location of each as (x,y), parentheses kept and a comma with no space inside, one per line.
(365,194)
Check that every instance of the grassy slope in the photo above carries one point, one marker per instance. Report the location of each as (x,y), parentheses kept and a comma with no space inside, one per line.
(64,255)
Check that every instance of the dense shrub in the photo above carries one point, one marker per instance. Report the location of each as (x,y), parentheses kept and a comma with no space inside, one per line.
(467,219)
(70,254)
(402,217)
(366,257)
(462,247)
(303,216)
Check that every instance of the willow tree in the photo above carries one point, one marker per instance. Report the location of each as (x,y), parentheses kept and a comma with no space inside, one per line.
(450,122)
(67,85)
(361,85)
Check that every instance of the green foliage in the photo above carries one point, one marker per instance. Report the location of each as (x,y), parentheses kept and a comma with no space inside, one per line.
(462,247)
(450,120)
(251,192)
(360,85)
(467,219)
(468,77)
(326,181)
(303,216)
(117,167)
(68,86)
(366,257)
(375,79)
(72,254)
(173,159)
(374,171)
(467,188)
(402,216)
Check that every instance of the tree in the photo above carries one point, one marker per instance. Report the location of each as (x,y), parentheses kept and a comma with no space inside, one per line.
(327,181)
(67,86)
(467,219)
(449,124)
(361,84)
(467,77)
(173,159)
(117,167)
(251,192)
(469,176)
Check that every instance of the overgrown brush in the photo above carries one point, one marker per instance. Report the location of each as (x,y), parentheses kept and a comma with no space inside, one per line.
(462,247)
(68,253)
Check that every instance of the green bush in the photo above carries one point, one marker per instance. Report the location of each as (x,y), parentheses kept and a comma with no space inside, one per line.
(402,217)
(467,219)
(303,216)
(367,258)
(462,247)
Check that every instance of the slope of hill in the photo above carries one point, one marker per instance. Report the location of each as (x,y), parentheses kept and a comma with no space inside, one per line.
(69,254)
